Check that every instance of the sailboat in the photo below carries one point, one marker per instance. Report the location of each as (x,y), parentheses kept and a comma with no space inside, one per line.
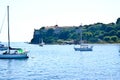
(42,43)
(3,47)
(83,47)
(13,53)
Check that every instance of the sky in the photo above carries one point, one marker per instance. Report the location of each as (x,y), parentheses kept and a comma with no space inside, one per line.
(27,15)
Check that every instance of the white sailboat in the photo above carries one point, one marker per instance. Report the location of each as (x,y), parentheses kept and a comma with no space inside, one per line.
(83,47)
(13,53)
(42,43)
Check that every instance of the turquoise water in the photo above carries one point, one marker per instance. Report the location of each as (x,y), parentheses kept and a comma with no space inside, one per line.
(61,62)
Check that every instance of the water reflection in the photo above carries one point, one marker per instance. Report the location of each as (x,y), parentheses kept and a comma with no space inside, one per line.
(10,68)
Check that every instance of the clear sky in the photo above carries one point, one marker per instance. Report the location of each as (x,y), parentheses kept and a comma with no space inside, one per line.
(27,15)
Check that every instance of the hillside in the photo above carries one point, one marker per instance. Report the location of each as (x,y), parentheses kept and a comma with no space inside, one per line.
(93,33)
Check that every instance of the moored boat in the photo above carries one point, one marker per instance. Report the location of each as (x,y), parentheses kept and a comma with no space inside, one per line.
(13,53)
(42,43)
(3,47)
(83,47)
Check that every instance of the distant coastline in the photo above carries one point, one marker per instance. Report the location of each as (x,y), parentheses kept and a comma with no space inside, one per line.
(99,33)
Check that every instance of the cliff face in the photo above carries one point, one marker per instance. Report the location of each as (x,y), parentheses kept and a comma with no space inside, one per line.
(94,33)
(52,35)
(36,36)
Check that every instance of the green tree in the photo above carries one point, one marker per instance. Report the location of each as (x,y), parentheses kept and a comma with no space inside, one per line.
(114,38)
(112,32)
(74,36)
(118,21)
(50,32)
(118,33)
(118,27)
(42,28)
(107,29)
(107,38)
(93,40)
(87,35)
(64,35)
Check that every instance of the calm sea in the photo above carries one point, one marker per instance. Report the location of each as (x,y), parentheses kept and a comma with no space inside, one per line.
(61,62)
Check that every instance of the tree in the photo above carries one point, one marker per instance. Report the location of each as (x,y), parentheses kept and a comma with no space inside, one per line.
(118,21)
(114,38)
(109,28)
(87,35)
(42,28)
(50,32)
(74,36)
(93,40)
(118,27)
(112,33)
(64,35)
(107,38)
(118,33)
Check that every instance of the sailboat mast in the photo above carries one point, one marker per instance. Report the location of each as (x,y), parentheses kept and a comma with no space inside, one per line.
(80,34)
(8,30)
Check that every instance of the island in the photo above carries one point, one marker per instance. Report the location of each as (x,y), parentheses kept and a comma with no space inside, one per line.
(92,33)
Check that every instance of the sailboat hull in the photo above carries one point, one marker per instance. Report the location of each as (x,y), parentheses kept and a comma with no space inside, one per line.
(83,49)
(13,56)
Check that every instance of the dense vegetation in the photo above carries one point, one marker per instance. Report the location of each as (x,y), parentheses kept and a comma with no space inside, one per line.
(93,33)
